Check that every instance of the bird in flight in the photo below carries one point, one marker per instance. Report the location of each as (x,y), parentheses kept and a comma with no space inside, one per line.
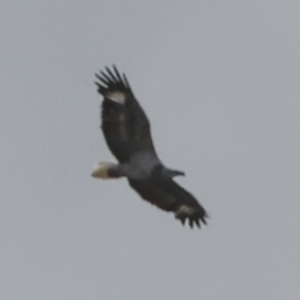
(126,129)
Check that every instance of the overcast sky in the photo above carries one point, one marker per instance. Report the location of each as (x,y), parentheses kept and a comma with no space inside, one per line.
(220,82)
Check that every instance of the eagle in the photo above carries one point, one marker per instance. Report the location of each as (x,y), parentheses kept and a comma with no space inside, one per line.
(126,129)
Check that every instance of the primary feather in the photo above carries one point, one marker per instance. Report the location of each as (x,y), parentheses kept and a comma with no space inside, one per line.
(126,129)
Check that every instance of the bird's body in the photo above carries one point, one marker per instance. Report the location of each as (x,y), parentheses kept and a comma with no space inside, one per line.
(126,129)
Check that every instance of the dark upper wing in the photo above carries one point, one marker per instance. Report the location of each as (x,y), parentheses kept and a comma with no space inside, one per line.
(169,196)
(124,123)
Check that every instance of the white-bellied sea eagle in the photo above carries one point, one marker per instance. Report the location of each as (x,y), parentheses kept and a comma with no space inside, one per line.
(126,129)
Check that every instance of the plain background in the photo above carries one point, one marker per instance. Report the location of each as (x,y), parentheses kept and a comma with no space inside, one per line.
(219,81)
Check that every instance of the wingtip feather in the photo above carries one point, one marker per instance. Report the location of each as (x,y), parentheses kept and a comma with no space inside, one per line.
(110,79)
(112,75)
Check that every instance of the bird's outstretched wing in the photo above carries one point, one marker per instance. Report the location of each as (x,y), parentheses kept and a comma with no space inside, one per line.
(169,196)
(124,123)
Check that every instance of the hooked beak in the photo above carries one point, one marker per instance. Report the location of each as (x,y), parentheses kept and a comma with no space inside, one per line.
(177,173)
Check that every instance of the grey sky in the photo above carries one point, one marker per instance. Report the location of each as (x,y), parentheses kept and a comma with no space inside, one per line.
(219,81)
